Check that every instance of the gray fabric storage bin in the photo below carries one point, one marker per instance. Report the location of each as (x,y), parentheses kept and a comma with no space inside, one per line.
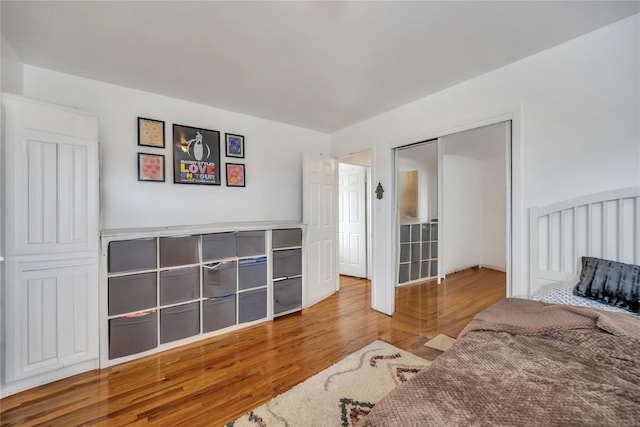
(415,271)
(426,250)
(415,232)
(433,269)
(405,233)
(424,269)
(250,243)
(252,305)
(179,285)
(415,252)
(287,295)
(219,279)
(131,335)
(425,232)
(287,263)
(218,246)
(403,273)
(286,238)
(179,251)
(252,273)
(218,313)
(132,255)
(132,293)
(179,322)
(405,252)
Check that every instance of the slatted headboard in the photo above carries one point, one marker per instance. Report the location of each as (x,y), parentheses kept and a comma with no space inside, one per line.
(604,225)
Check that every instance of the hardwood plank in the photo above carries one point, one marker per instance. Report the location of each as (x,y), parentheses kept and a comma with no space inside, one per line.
(217,380)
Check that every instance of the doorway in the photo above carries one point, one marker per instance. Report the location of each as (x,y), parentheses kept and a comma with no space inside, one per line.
(453,204)
(354,209)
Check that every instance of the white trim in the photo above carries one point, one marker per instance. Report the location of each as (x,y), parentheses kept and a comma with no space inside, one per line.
(516,275)
(48,377)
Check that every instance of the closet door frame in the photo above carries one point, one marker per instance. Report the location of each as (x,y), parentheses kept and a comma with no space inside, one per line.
(513,199)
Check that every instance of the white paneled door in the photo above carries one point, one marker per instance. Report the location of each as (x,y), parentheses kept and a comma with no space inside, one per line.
(352,220)
(320,212)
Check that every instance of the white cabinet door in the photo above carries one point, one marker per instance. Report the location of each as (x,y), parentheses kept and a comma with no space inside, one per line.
(50,306)
(51,179)
(51,316)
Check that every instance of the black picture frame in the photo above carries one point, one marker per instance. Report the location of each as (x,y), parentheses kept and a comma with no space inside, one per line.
(150,133)
(196,155)
(151,167)
(234,145)
(236,175)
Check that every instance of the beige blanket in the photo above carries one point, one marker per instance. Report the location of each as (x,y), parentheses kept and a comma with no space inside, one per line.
(523,362)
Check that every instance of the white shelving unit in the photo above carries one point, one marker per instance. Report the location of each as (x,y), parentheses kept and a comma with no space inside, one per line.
(162,288)
(418,251)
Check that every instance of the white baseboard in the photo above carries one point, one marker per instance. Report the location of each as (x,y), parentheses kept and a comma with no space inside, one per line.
(49,377)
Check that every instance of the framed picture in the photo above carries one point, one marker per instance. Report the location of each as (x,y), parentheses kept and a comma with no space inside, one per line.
(150,132)
(196,155)
(235,175)
(150,167)
(235,145)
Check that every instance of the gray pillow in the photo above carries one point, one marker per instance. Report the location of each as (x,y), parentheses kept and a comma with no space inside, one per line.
(610,282)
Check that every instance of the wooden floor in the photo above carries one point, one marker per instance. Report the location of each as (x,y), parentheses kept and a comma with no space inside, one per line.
(215,381)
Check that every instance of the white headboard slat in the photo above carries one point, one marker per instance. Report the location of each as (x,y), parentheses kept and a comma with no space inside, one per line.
(605,225)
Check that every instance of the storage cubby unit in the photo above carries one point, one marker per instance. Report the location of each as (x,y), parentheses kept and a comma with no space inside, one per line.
(287,271)
(418,251)
(167,287)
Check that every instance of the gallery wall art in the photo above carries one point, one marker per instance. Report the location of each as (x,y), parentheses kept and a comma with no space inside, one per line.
(196,155)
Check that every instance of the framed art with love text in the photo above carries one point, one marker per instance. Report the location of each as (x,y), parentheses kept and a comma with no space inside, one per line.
(196,155)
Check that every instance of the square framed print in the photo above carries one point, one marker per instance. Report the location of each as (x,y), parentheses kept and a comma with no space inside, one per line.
(235,175)
(235,145)
(150,167)
(150,132)
(196,155)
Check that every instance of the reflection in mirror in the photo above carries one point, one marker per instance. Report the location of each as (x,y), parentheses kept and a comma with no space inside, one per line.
(408,191)
(417,204)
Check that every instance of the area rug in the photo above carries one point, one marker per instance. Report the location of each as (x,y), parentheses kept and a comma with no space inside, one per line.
(441,342)
(341,394)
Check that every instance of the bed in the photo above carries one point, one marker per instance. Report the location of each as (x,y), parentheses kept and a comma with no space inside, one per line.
(554,360)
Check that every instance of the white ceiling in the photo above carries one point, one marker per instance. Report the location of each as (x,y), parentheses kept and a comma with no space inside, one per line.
(320,65)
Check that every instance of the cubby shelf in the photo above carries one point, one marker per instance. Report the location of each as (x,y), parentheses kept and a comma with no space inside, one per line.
(418,251)
(168,287)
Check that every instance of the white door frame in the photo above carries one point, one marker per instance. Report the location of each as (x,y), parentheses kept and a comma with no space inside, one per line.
(383,288)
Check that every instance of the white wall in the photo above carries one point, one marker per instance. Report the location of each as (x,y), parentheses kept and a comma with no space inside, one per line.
(11,67)
(475,212)
(494,214)
(273,156)
(462,213)
(575,110)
